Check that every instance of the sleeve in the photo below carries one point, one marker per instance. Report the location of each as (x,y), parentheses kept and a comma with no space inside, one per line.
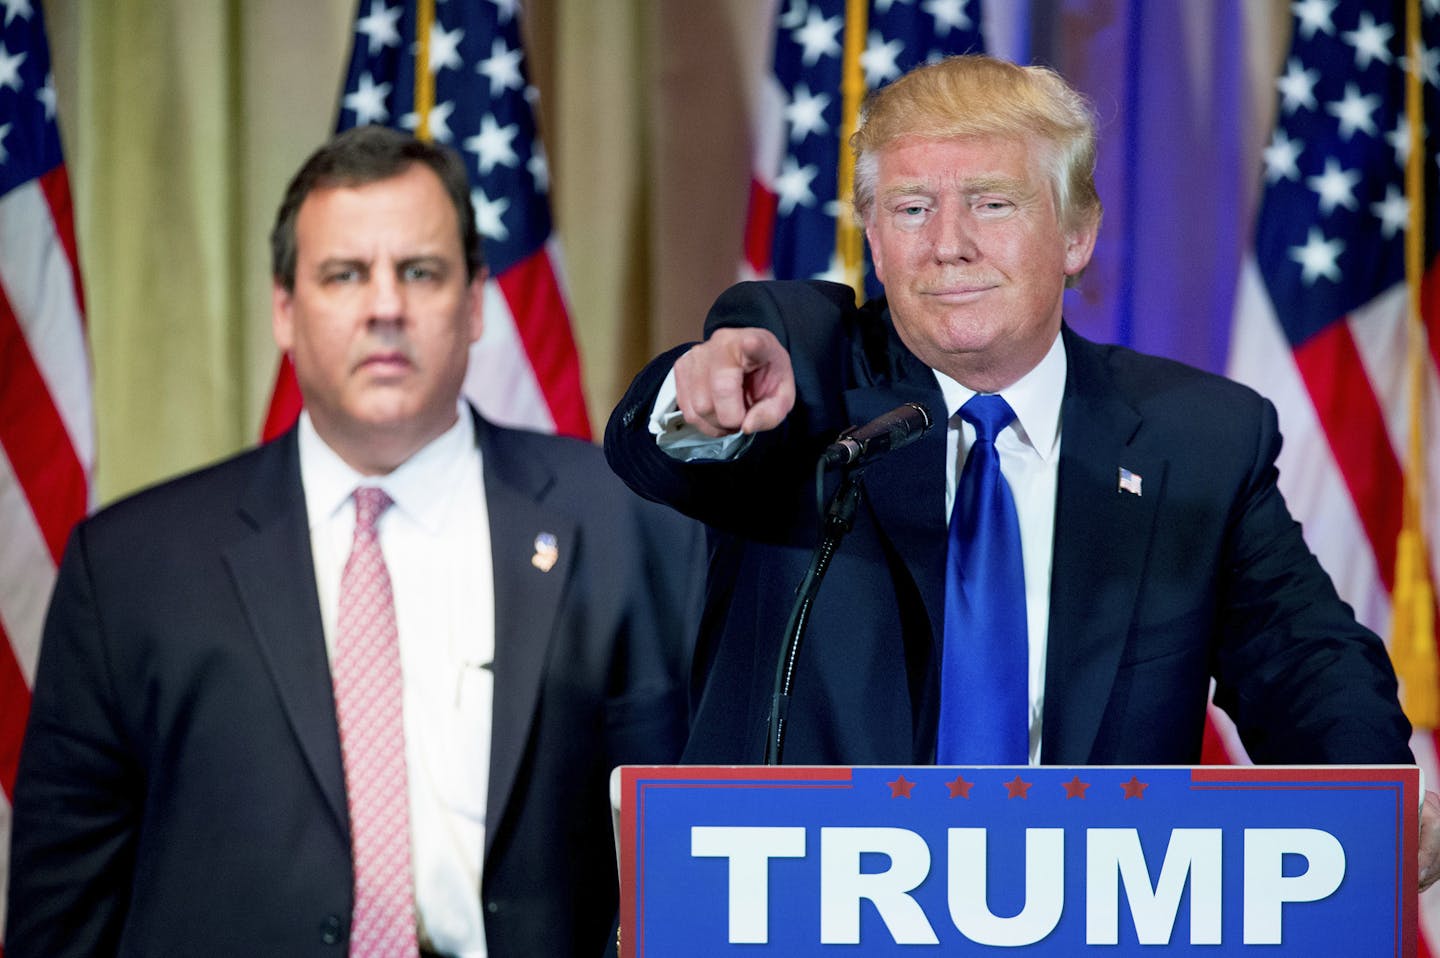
(1304,682)
(78,791)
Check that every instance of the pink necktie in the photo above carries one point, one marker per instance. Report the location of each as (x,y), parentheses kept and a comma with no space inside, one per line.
(369,705)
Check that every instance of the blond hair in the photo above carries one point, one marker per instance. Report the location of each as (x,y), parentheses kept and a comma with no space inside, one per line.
(974,95)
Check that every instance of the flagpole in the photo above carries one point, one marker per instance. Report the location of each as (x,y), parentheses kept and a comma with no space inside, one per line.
(1412,626)
(849,245)
(424,79)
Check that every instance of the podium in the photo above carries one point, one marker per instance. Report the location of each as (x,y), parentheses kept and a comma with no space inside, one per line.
(1051,861)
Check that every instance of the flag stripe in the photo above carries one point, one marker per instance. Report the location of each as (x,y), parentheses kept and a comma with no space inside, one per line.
(759,228)
(285,402)
(56,187)
(35,438)
(1430,311)
(40,282)
(27,572)
(14,707)
(533,293)
(1353,423)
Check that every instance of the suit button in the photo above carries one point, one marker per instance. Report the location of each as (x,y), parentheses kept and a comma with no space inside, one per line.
(331,931)
(492,906)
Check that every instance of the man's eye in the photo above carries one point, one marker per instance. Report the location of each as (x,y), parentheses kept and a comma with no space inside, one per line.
(342,276)
(416,273)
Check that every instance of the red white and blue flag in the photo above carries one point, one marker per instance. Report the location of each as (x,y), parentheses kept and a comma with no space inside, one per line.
(1329,327)
(454,73)
(47,429)
(803,127)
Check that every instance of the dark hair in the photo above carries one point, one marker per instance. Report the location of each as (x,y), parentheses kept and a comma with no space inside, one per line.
(368,154)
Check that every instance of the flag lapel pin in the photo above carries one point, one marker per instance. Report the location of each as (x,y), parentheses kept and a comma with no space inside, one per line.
(1129,482)
(547,552)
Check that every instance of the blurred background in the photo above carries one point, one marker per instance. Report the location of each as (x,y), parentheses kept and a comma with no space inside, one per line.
(182,121)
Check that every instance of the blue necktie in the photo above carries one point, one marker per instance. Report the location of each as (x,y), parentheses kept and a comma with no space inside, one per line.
(984,672)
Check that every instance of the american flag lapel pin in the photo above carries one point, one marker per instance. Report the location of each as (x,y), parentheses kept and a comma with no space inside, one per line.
(547,552)
(1129,481)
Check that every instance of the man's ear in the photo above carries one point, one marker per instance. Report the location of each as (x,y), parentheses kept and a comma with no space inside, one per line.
(877,257)
(282,319)
(1079,247)
(477,303)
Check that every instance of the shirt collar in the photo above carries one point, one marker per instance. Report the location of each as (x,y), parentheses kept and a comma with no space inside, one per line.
(1035,397)
(420,487)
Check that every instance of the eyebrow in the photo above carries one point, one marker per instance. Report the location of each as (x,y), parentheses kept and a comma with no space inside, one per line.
(349,262)
(1005,185)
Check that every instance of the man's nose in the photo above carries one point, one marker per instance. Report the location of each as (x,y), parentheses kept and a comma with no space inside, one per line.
(954,233)
(387,299)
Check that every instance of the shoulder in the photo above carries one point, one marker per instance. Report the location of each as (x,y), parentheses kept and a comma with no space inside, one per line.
(1184,413)
(791,292)
(193,496)
(177,528)
(1154,384)
(775,304)
(573,476)
(564,467)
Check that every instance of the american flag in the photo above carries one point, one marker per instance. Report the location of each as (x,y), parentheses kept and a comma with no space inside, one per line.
(47,430)
(1323,312)
(472,94)
(801,132)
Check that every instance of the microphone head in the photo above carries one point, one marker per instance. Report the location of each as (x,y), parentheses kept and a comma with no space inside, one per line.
(898,427)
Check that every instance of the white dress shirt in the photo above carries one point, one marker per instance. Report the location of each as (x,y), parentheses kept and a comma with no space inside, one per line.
(436,540)
(1029,459)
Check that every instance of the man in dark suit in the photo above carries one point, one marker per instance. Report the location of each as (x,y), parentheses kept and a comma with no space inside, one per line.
(185,785)
(1158,554)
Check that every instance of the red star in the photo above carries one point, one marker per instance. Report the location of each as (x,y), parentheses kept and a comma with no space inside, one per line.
(1075,788)
(959,788)
(900,788)
(1018,788)
(1134,788)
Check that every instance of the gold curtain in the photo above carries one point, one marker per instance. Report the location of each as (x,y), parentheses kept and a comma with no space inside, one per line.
(182,122)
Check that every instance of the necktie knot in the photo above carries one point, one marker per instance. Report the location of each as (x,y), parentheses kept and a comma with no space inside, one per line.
(370,503)
(988,414)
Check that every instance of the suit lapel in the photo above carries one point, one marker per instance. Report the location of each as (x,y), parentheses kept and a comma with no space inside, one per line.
(1102,533)
(523,532)
(274,575)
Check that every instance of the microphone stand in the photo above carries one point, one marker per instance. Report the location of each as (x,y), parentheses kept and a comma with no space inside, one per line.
(839,518)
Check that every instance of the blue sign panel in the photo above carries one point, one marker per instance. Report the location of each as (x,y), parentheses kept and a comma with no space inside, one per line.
(1025,861)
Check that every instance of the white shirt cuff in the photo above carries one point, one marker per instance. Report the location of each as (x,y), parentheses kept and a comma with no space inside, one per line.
(680,440)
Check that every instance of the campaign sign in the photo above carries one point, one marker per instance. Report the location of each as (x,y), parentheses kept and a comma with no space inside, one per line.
(800,861)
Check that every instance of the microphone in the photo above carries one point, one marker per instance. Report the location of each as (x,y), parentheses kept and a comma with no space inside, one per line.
(898,427)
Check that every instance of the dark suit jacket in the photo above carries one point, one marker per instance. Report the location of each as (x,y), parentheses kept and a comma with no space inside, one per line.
(180,788)
(1203,574)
